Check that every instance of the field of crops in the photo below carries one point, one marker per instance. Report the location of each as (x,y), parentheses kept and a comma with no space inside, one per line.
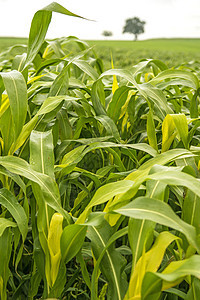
(173,52)
(99,172)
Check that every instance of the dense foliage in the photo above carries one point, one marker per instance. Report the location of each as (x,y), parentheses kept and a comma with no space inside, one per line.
(173,52)
(99,174)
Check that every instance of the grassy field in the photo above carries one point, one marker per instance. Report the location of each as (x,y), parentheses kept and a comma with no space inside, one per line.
(189,45)
(6,42)
(127,53)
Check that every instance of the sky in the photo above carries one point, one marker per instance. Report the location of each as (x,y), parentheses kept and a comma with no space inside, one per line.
(164,18)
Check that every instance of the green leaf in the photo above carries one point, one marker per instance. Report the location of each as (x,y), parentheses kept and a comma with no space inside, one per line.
(160,159)
(72,240)
(178,270)
(5,223)
(177,178)
(190,211)
(15,86)
(112,262)
(98,143)
(157,98)
(42,160)
(14,177)
(84,270)
(98,98)
(39,27)
(159,212)
(151,287)
(120,233)
(74,156)
(25,133)
(18,62)
(60,84)
(109,125)
(5,253)
(140,234)
(103,194)
(176,292)
(180,122)
(179,74)
(8,200)
(151,132)
(47,184)
(156,189)
(65,127)
(146,90)
(7,131)
(41,152)
(118,100)
(140,174)
(149,262)
(145,62)
(194,105)
(86,68)
(50,104)
(194,292)
(168,132)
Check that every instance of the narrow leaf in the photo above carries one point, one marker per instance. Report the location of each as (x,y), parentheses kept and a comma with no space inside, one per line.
(118,100)
(5,223)
(47,184)
(111,263)
(151,131)
(8,200)
(105,193)
(72,240)
(15,86)
(159,212)
(39,27)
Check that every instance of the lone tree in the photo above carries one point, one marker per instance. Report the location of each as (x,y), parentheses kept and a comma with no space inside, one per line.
(107,33)
(134,26)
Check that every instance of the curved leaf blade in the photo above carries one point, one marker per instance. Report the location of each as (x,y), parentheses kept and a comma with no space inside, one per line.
(159,212)
(15,86)
(49,187)
(179,74)
(72,240)
(111,262)
(5,223)
(39,27)
(8,200)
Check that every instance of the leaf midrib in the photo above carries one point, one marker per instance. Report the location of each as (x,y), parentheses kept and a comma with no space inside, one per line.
(110,260)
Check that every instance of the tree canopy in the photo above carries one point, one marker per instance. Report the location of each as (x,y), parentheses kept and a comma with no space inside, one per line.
(107,33)
(134,26)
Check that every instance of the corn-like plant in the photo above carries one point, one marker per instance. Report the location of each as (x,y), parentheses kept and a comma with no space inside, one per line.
(99,174)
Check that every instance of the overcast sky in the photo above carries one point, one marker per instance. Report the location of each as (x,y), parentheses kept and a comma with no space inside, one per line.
(164,18)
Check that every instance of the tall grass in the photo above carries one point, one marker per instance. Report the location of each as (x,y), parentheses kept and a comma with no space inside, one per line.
(99,174)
